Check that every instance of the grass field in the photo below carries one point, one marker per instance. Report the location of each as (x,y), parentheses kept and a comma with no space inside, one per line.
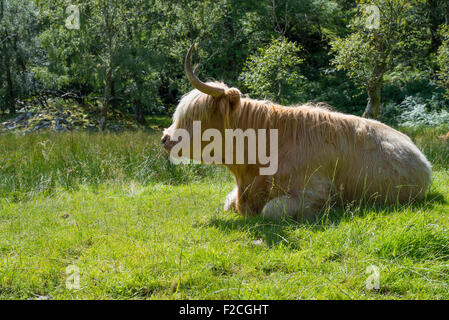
(137,227)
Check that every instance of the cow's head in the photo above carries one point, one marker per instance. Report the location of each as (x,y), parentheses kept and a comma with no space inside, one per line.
(212,103)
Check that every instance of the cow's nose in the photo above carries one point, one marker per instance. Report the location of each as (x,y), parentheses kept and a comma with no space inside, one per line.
(164,138)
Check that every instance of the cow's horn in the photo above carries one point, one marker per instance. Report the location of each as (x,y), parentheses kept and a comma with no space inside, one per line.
(197,83)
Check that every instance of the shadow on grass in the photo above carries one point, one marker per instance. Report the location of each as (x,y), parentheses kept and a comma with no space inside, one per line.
(339,214)
(271,232)
(276,232)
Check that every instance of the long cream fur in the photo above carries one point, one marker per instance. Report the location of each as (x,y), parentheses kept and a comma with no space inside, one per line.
(324,156)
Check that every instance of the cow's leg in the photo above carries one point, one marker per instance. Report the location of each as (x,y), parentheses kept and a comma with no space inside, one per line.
(231,200)
(281,207)
(303,204)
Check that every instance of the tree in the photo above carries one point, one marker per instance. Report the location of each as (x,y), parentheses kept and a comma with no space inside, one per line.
(134,58)
(206,23)
(273,72)
(18,31)
(128,54)
(106,24)
(139,59)
(366,54)
(87,56)
(443,59)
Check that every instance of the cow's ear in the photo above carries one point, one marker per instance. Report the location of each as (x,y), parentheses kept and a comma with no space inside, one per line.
(233,95)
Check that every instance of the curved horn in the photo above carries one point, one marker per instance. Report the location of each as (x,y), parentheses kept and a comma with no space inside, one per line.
(197,83)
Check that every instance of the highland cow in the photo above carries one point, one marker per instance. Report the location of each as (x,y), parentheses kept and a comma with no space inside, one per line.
(323,156)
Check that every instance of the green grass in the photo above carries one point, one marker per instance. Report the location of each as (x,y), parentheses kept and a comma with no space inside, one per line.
(138,227)
(39,163)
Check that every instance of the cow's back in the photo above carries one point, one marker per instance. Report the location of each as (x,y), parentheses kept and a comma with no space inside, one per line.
(383,164)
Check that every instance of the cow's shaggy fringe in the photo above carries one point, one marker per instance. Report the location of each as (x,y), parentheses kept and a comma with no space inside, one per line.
(307,124)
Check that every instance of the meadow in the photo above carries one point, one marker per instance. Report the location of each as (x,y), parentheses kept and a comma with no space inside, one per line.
(134,226)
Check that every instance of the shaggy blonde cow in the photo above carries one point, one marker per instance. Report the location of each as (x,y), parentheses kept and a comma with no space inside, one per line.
(323,156)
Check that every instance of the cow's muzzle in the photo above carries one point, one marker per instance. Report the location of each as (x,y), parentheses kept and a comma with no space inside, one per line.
(166,142)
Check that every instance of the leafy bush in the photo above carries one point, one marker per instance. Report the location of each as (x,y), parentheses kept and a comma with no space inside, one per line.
(344,96)
(414,112)
(273,72)
(443,60)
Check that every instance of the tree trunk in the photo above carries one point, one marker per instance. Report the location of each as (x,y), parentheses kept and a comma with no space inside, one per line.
(447,13)
(374,88)
(107,99)
(113,101)
(107,85)
(373,106)
(138,110)
(6,62)
(9,82)
(138,106)
(433,24)
(279,94)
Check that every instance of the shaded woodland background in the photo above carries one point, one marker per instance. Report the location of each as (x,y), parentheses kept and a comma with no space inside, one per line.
(126,57)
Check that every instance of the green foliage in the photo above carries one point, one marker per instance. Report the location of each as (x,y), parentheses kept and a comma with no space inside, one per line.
(415,113)
(443,60)
(130,53)
(407,88)
(355,55)
(18,49)
(370,44)
(273,73)
(382,34)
